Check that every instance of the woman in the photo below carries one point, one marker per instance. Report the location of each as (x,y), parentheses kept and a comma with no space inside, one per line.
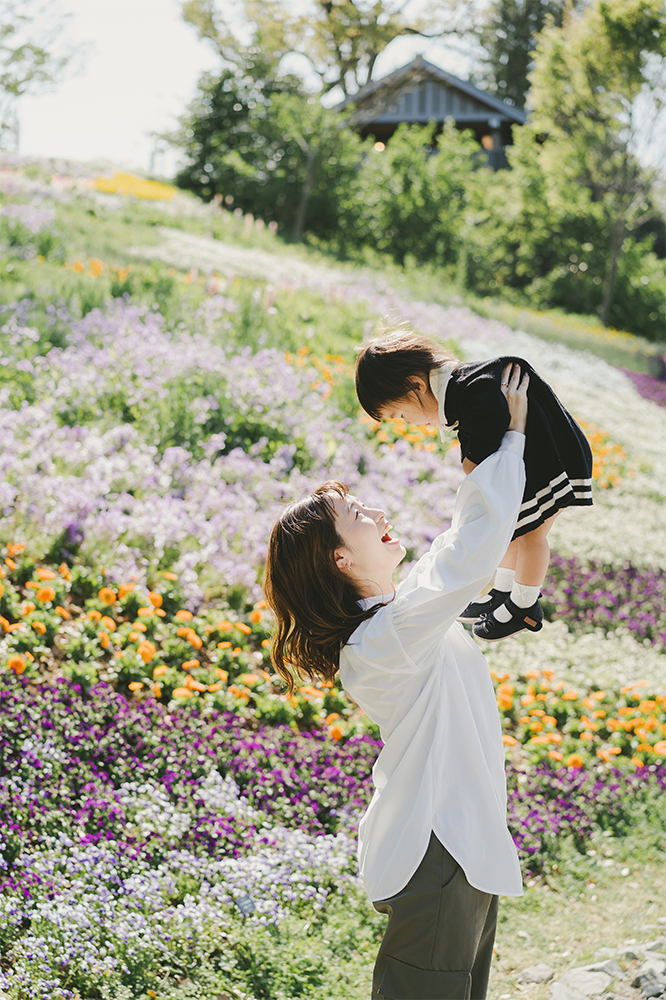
(434,848)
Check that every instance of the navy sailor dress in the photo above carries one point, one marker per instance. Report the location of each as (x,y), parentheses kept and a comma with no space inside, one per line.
(558,458)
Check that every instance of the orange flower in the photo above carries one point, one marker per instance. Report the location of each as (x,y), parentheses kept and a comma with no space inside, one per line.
(555,754)
(242,627)
(224,626)
(46,594)
(234,652)
(540,739)
(537,712)
(14,549)
(249,680)
(45,574)
(570,696)
(157,690)
(181,693)
(146,651)
(170,576)
(135,685)
(215,687)
(586,736)
(196,685)
(28,607)
(63,569)
(39,627)
(183,615)
(660,748)
(133,636)
(160,613)
(555,737)
(190,664)
(108,623)
(509,741)
(224,645)
(10,563)
(155,599)
(59,610)
(140,627)
(16,663)
(94,615)
(335,732)
(104,639)
(145,612)
(160,670)
(124,589)
(330,719)
(107,596)
(265,643)
(236,691)
(222,674)
(255,616)
(527,699)
(194,640)
(575,760)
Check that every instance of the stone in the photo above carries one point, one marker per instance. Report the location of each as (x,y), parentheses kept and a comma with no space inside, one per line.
(628,955)
(661,920)
(613,968)
(537,974)
(650,983)
(659,944)
(588,983)
(606,952)
(559,991)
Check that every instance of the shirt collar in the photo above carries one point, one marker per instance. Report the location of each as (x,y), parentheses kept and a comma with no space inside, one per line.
(369,602)
(439,380)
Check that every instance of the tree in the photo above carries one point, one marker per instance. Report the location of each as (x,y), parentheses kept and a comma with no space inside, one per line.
(508,35)
(268,149)
(28,33)
(340,39)
(588,80)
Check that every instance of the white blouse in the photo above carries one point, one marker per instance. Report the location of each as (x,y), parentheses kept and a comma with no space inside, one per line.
(420,677)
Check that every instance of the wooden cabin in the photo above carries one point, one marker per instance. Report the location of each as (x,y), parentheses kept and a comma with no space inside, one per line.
(421,92)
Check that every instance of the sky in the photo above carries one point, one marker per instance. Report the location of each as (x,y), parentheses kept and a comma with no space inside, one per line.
(138,73)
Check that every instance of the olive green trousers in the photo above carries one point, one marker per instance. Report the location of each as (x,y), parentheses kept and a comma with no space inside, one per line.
(438,943)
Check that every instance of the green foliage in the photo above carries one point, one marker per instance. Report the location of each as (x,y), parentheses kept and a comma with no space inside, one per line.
(508,35)
(408,200)
(266,148)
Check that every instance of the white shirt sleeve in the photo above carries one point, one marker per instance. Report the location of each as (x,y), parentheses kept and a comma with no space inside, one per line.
(461,561)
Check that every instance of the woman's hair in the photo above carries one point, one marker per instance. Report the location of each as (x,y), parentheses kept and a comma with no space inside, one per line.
(387,364)
(315,606)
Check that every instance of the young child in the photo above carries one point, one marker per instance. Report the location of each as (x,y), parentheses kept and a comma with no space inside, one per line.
(404,375)
(434,849)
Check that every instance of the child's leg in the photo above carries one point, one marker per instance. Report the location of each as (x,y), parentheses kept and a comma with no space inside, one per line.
(532,564)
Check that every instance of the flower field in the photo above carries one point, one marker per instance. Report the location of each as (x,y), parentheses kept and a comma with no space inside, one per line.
(172,824)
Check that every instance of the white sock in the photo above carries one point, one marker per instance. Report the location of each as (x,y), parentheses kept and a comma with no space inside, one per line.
(504,579)
(524,596)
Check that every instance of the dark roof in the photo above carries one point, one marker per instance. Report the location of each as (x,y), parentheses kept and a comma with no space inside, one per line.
(438,95)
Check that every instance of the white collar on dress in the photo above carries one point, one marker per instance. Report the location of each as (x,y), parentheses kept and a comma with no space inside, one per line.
(439,380)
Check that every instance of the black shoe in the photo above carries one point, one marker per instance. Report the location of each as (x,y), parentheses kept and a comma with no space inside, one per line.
(522,620)
(478,609)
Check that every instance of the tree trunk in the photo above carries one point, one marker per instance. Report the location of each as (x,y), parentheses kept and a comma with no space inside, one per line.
(306,191)
(617,238)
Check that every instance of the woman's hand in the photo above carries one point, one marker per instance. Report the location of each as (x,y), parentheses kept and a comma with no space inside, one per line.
(515,389)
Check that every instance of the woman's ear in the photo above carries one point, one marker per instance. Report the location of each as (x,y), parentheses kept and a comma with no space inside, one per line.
(342,560)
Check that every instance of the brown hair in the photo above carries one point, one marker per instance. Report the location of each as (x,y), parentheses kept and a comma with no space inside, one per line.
(315,606)
(386,365)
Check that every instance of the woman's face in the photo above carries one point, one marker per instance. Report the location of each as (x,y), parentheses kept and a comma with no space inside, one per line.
(369,553)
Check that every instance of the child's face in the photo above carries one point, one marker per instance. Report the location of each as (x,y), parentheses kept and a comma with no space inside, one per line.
(417,407)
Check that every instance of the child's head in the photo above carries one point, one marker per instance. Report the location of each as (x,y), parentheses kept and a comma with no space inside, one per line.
(324,553)
(393,376)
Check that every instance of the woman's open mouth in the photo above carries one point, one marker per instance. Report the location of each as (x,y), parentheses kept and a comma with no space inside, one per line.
(386,538)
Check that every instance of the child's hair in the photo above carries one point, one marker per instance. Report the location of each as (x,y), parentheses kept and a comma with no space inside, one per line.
(315,606)
(386,365)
